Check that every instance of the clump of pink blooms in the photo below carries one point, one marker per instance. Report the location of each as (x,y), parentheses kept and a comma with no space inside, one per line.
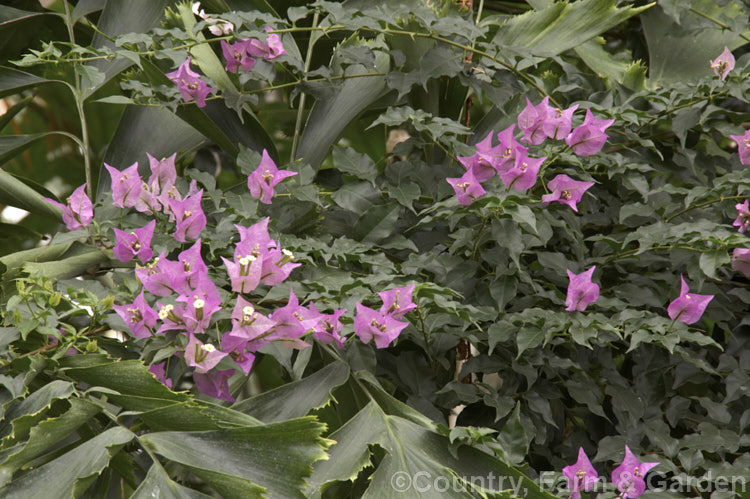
(241,54)
(184,299)
(511,161)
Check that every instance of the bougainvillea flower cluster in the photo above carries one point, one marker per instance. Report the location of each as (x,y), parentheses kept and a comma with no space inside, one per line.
(243,53)
(384,325)
(189,300)
(511,161)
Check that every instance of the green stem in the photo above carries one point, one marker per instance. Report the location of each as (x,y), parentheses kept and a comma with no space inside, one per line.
(625,254)
(668,111)
(303,95)
(479,12)
(716,21)
(701,205)
(79,106)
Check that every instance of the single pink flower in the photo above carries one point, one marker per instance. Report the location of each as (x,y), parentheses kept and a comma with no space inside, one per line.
(190,84)
(139,317)
(328,328)
(467,188)
(236,56)
(589,138)
(522,175)
(134,244)
(743,146)
(250,329)
(78,211)
(482,163)
(581,291)
(189,216)
(214,384)
(688,307)
(532,119)
(369,324)
(202,356)
(397,302)
(558,123)
(262,181)
(581,476)
(723,64)
(741,261)
(743,216)
(217,27)
(629,476)
(126,185)
(566,190)
(271,49)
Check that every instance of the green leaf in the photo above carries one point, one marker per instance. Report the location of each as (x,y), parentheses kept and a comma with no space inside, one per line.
(513,439)
(563,26)
(115,99)
(377,223)
(335,110)
(14,192)
(158,485)
(712,260)
(13,81)
(356,196)
(624,71)
(59,477)
(47,433)
(192,415)
(14,110)
(529,336)
(19,417)
(683,120)
(128,377)
(11,14)
(75,263)
(410,449)
(347,160)
(405,193)
(503,290)
(13,262)
(243,462)
(11,145)
(298,398)
(523,215)
(86,7)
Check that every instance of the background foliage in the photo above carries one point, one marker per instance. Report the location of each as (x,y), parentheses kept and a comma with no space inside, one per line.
(367,213)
